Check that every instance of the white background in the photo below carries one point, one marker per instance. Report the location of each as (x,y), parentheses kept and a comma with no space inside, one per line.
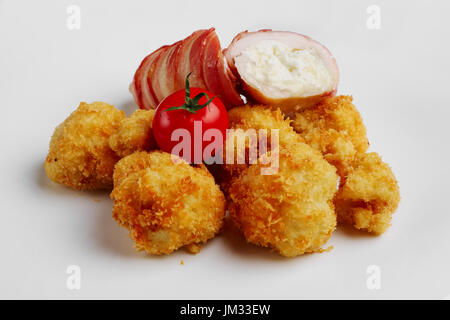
(399,77)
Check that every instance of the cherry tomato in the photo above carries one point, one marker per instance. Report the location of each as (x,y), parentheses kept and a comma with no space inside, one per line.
(194,111)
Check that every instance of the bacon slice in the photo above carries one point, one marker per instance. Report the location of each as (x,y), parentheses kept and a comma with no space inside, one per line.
(163,80)
(136,85)
(172,62)
(142,92)
(210,56)
(229,84)
(184,61)
(158,77)
(195,60)
(164,71)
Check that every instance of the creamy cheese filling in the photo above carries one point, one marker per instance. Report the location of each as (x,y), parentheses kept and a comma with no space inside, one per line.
(278,71)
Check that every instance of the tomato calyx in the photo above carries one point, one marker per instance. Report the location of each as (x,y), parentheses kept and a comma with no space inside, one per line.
(191,104)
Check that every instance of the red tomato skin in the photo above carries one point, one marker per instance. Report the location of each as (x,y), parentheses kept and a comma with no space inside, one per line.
(213,116)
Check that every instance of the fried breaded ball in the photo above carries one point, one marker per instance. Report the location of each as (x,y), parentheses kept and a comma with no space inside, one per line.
(335,128)
(254,117)
(166,205)
(134,134)
(291,210)
(369,195)
(79,155)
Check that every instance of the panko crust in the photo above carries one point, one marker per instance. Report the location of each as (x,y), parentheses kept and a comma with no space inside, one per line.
(131,164)
(254,117)
(79,154)
(134,134)
(369,195)
(166,205)
(290,211)
(262,117)
(335,128)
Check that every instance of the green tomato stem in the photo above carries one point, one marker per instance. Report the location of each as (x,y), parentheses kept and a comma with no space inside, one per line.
(191,105)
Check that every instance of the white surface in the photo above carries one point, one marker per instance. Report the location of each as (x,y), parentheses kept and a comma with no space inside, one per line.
(398,75)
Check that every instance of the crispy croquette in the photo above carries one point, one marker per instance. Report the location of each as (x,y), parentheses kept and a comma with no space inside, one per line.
(335,128)
(134,134)
(290,211)
(165,202)
(369,195)
(79,155)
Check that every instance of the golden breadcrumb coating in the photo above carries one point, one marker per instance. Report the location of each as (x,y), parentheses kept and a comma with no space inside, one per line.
(290,211)
(166,205)
(131,164)
(253,117)
(262,117)
(134,134)
(79,155)
(335,128)
(369,195)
